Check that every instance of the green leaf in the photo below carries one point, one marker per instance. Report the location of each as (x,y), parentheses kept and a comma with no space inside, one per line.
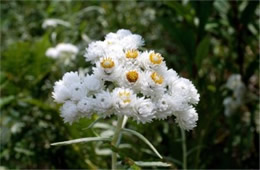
(6,100)
(81,140)
(143,139)
(202,50)
(149,164)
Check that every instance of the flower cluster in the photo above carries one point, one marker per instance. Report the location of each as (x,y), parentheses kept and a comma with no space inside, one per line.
(127,81)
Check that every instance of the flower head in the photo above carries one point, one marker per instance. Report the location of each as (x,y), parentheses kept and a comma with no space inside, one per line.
(127,81)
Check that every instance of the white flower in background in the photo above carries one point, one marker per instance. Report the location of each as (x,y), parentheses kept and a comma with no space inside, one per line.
(63,52)
(238,89)
(51,22)
(126,81)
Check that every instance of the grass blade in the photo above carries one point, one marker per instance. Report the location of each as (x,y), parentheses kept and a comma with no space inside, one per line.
(143,139)
(149,164)
(81,140)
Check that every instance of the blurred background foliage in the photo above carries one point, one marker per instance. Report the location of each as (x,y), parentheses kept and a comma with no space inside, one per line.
(205,41)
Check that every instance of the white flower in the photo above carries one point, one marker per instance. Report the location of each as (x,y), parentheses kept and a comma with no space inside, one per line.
(132,41)
(61,93)
(125,39)
(153,83)
(233,81)
(107,69)
(171,77)
(64,52)
(95,51)
(70,78)
(123,101)
(85,106)
(78,91)
(52,53)
(51,22)
(69,112)
(231,105)
(164,106)
(92,83)
(67,48)
(131,78)
(144,110)
(150,60)
(104,103)
(185,88)
(187,119)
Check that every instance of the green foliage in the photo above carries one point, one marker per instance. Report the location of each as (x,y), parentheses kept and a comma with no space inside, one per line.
(203,41)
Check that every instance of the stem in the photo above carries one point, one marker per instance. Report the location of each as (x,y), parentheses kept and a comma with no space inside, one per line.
(184,150)
(115,140)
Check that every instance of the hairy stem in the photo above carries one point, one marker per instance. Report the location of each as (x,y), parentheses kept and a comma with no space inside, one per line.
(115,140)
(184,150)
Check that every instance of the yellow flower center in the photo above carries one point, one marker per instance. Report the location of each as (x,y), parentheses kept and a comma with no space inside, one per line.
(107,63)
(132,76)
(158,79)
(125,96)
(132,54)
(156,58)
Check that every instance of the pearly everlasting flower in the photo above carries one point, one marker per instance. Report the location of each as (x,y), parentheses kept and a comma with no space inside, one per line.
(92,83)
(95,51)
(144,110)
(69,112)
(105,102)
(61,92)
(85,106)
(124,99)
(186,89)
(187,119)
(64,52)
(164,106)
(126,81)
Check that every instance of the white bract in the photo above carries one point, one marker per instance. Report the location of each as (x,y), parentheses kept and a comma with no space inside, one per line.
(127,81)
